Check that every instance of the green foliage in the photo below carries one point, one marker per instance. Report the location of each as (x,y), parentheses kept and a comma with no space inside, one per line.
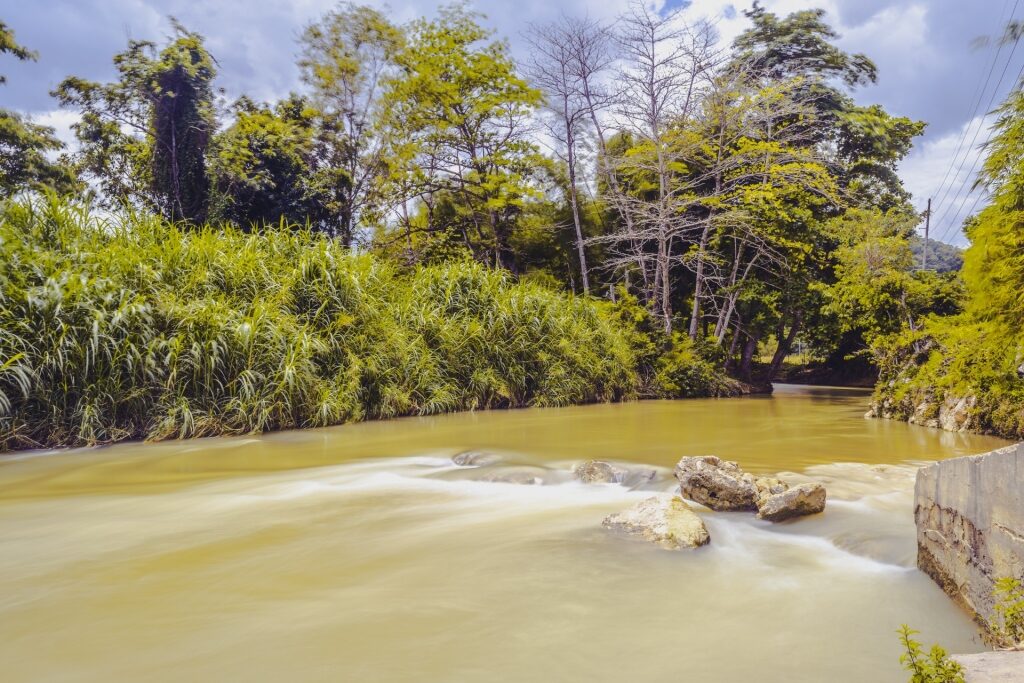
(131,327)
(684,371)
(456,120)
(265,168)
(933,667)
(1008,624)
(143,138)
(799,43)
(942,257)
(347,56)
(24,145)
(10,46)
(977,354)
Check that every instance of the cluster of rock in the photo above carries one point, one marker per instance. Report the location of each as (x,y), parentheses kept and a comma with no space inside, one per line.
(668,520)
(719,485)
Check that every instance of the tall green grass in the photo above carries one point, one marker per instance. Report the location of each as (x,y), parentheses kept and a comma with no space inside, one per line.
(127,327)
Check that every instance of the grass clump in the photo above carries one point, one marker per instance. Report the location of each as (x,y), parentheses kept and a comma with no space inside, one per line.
(129,327)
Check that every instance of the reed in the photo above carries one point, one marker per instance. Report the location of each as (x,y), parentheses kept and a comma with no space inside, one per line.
(127,327)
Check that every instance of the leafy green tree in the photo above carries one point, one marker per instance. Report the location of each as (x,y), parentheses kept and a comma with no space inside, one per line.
(264,168)
(25,147)
(347,56)
(144,137)
(457,122)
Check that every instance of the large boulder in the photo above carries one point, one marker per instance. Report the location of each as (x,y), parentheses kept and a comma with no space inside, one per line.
(804,499)
(596,472)
(667,521)
(716,483)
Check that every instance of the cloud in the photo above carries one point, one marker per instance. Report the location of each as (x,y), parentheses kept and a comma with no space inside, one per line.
(928,69)
(944,169)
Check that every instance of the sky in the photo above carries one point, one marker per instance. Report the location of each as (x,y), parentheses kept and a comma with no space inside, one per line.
(930,65)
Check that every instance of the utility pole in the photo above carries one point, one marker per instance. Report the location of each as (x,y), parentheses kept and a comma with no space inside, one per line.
(927,225)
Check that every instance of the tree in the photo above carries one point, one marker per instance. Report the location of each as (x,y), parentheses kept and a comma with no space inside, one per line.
(264,168)
(553,69)
(144,137)
(10,46)
(458,119)
(347,57)
(666,68)
(25,146)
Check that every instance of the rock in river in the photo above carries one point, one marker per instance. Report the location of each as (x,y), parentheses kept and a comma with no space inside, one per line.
(667,521)
(805,499)
(716,483)
(722,485)
(596,472)
(475,458)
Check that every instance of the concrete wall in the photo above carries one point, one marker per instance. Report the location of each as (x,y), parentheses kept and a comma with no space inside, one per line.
(970,524)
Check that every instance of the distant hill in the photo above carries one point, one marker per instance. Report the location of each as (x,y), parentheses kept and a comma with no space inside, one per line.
(942,257)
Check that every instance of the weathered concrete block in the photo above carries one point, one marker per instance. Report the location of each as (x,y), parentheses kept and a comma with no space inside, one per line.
(970,524)
(993,667)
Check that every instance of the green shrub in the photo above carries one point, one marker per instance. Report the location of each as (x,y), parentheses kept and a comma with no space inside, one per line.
(1008,624)
(933,667)
(685,371)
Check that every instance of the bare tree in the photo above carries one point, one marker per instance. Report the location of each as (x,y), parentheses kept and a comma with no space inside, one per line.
(552,69)
(666,67)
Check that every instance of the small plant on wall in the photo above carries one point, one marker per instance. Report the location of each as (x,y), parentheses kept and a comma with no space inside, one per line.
(1008,623)
(932,667)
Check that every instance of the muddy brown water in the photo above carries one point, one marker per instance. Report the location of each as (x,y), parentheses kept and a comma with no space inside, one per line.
(361,553)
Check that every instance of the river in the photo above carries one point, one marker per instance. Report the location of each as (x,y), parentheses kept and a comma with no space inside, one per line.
(361,553)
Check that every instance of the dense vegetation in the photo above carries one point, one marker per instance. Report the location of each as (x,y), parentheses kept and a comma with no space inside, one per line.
(135,328)
(964,371)
(730,201)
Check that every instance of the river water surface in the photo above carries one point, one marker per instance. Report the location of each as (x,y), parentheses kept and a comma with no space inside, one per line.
(361,553)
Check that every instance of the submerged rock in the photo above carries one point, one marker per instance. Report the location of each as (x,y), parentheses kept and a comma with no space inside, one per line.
(716,483)
(531,476)
(475,458)
(638,477)
(669,522)
(804,499)
(597,472)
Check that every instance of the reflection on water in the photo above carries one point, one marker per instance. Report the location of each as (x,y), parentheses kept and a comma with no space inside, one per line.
(362,553)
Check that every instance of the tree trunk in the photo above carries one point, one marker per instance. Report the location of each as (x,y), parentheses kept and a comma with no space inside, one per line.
(782,350)
(571,141)
(746,369)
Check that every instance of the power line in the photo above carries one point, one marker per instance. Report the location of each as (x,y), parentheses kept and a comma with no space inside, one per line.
(954,225)
(979,94)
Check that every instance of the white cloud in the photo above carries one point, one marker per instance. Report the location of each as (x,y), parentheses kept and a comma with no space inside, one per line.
(945,169)
(60,120)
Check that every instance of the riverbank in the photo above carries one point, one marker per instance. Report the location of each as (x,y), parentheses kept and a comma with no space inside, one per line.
(121,328)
